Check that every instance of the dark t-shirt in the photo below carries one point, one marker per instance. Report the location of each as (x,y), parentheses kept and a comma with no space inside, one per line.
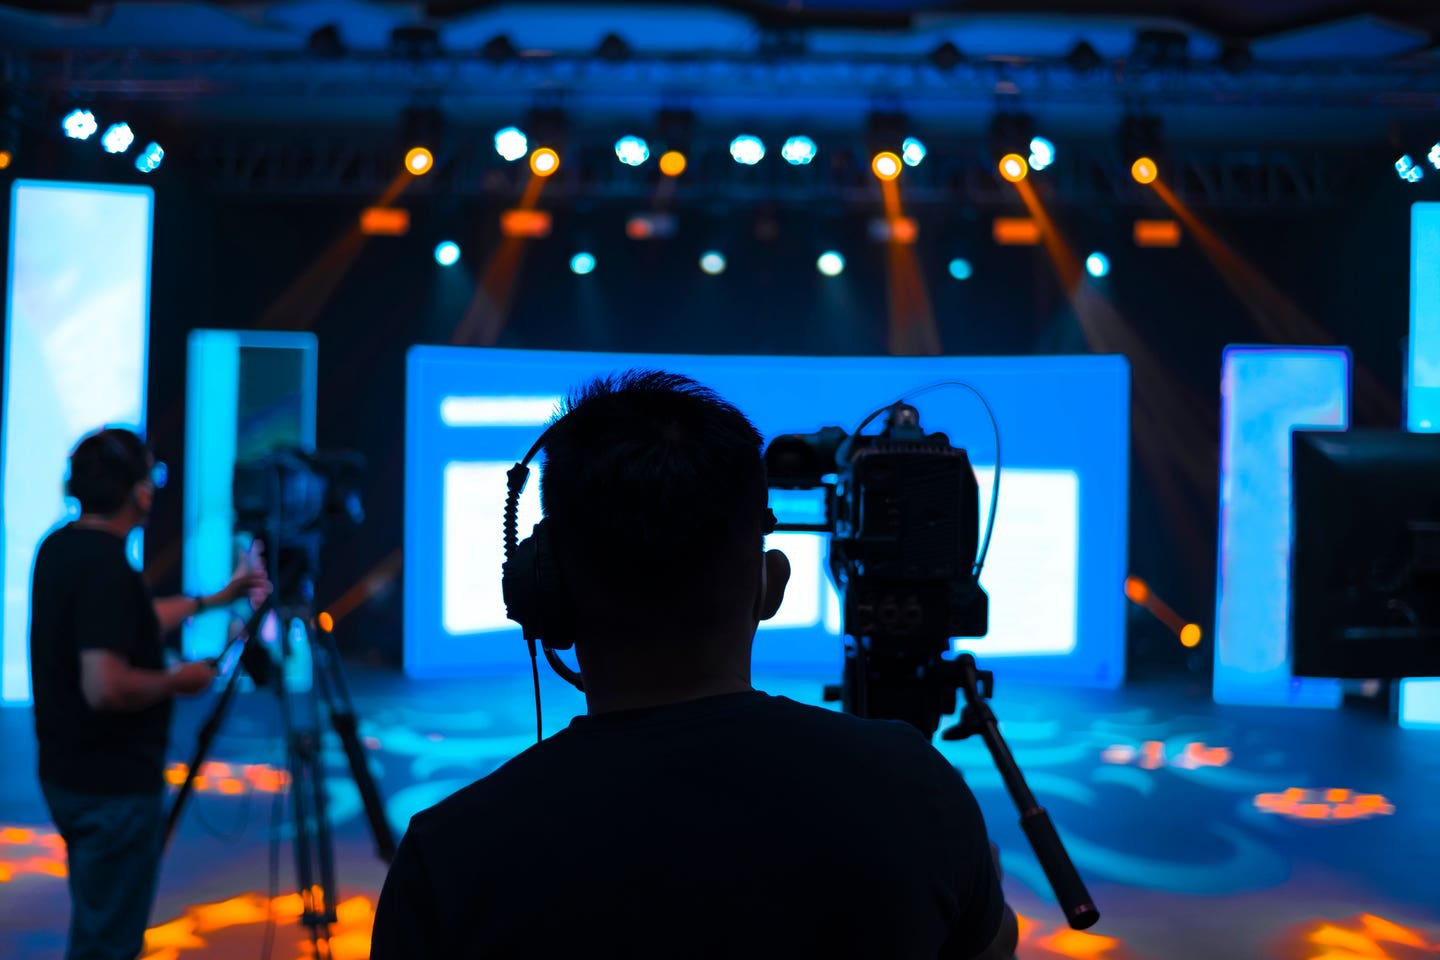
(86,596)
(741,825)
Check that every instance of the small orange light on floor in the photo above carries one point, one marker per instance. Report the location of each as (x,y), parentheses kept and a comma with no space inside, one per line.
(5,159)
(1013,167)
(419,161)
(1190,635)
(1144,170)
(886,166)
(672,163)
(326,622)
(544,162)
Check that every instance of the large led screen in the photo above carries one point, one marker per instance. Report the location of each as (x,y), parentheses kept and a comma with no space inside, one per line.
(76,339)
(1055,568)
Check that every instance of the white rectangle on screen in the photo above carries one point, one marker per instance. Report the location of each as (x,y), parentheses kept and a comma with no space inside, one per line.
(76,341)
(474,547)
(1030,574)
(463,411)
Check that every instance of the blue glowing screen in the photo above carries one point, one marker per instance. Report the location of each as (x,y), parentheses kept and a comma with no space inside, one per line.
(76,340)
(1266,394)
(1420,699)
(1055,569)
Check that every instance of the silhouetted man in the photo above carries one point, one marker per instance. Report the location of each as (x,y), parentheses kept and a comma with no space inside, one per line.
(687,814)
(102,693)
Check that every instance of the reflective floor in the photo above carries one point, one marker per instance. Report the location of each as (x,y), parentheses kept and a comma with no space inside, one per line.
(1203,831)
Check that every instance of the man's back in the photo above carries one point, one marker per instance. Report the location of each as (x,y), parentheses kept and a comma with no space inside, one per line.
(736,825)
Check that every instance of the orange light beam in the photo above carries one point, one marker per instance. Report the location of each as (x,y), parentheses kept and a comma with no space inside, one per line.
(379,577)
(1278,317)
(301,302)
(489,308)
(912,318)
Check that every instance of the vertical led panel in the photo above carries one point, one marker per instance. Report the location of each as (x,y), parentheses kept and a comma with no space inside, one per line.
(1266,393)
(76,342)
(247,393)
(1420,699)
(1059,532)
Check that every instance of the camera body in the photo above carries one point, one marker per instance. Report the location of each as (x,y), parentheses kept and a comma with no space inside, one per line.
(291,499)
(903,514)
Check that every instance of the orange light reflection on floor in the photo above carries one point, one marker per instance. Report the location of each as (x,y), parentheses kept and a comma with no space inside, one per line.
(1298,803)
(31,851)
(1366,937)
(1063,942)
(196,929)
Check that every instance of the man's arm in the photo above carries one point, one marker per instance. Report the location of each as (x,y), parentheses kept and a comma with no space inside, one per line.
(110,683)
(405,925)
(249,580)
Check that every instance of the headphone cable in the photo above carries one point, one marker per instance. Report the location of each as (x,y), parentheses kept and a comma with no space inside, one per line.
(535,674)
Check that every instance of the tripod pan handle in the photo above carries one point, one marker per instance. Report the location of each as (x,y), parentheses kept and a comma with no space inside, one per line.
(1069,889)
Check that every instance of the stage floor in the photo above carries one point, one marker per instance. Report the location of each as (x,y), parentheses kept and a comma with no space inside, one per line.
(1203,831)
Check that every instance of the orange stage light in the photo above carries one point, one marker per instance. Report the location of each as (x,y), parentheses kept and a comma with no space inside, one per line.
(1144,170)
(1136,589)
(325,621)
(1157,233)
(419,161)
(544,162)
(384,222)
(1016,232)
(1190,635)
(1013,167)
(5,159)
(672,163)
(885,165)
(529,224)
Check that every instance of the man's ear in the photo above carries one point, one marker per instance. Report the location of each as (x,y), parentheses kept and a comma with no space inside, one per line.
(774,576)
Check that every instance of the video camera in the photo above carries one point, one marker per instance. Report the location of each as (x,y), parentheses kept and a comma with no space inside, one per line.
(902,511)
(292,499)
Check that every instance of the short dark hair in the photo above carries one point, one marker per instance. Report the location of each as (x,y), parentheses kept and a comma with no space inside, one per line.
(653,485)
(104,468)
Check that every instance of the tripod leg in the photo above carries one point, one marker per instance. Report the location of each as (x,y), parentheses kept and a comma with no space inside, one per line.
(331,681)
(297,754)
(208,732)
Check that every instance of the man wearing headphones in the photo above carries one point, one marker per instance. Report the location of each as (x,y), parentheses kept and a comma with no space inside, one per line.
(102,692)
(686,814)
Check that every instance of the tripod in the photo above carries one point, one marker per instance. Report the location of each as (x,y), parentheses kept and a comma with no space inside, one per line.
(314,844)
(895,682)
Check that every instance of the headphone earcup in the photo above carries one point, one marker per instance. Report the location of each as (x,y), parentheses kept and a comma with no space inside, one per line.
(534,593)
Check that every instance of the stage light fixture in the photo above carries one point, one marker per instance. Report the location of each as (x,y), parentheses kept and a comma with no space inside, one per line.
(632,151)
(1097,264)
(117,138)
(79,124)
(511,144)
(885,165)
(1190,635)
(1042,153)
(150,158)
(830,263)
(712,262)
(1013,167)
(672,163)
(960,269)
(544,162)
(747,149)
(912,151)
(447,253)
(798,150)
(419,160)
(1144,170)
(5,159)
(1408,170)
(582,263)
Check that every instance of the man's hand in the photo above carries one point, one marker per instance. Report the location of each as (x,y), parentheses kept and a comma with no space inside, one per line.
(191,678)
(249,579)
